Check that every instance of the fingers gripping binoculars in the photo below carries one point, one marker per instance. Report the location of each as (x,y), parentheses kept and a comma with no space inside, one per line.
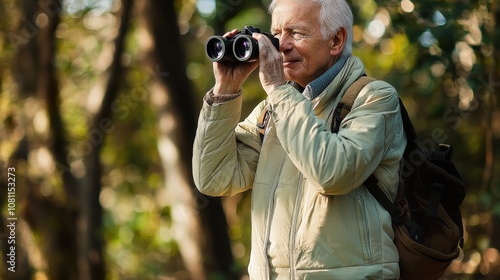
(240,47)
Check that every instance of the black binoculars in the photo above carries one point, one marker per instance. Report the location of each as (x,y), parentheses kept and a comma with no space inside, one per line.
(240,47)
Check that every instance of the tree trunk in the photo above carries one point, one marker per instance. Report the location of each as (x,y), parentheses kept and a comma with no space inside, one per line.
(491,142)
(91,235)
(70,226)
(199,221)
(52,219)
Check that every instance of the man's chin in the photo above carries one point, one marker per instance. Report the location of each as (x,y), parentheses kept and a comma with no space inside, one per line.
(290,75)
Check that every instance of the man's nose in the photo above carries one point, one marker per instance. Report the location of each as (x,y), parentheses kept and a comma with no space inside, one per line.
(286,44)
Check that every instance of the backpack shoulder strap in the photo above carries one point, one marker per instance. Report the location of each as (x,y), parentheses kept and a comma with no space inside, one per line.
(411,135)
(343,108)
(345,104)
(262,122)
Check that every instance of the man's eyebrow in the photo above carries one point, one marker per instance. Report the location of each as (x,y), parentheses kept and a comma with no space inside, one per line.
(290,27)
(296,26)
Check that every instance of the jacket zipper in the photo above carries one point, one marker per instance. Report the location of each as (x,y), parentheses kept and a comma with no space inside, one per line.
(293,229)
(270,214)
(363,228)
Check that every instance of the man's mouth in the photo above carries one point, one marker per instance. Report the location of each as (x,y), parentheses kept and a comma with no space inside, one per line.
(287,63)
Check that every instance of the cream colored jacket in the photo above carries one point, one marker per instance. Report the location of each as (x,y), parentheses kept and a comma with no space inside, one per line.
(311,216)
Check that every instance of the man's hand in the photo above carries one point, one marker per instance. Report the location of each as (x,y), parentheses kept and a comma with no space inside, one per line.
(230,76)
(270,64)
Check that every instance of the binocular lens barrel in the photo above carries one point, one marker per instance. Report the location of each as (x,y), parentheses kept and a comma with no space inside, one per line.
(217,48)
(245,48)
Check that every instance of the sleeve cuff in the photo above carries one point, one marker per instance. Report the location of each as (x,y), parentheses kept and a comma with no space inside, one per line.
(211,98)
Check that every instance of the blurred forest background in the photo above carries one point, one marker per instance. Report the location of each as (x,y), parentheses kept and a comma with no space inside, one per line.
(98,109)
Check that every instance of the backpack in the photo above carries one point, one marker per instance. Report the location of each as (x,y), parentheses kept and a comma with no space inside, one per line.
(426,215)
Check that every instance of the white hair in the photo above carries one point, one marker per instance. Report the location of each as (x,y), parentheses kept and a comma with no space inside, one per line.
(333,15)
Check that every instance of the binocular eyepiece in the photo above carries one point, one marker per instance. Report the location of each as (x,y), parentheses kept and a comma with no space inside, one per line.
(241,47)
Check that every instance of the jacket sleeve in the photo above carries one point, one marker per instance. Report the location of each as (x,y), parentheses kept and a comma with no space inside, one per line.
(337,163)
(225,152)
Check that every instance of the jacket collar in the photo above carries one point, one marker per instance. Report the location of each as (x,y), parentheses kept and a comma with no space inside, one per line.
(314,88)
(352,69)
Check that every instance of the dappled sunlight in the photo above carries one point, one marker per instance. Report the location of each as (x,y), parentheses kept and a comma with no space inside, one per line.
(41,122)
(41,162)
(206,7)
(465,93)
(377,27)
(407,6)
(486,263)
(464,56)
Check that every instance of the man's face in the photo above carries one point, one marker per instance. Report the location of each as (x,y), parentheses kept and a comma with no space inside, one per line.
(306,55)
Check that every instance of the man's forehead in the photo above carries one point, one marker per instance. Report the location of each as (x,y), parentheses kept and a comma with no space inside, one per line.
(293,13)
(302,5)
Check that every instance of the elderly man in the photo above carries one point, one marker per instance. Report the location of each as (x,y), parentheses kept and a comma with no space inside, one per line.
(312,217)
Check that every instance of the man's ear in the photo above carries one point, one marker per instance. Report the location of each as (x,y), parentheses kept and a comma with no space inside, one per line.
(338,41)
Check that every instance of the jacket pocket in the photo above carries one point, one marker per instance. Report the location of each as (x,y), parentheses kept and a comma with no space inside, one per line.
(364,228)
